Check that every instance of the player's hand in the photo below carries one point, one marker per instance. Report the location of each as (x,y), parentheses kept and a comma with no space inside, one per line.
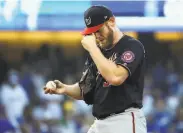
(55,87)
(89,42)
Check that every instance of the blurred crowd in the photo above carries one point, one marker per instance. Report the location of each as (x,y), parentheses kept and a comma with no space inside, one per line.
(24,108)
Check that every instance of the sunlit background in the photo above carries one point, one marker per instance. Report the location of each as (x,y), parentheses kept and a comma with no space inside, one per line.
(40,41)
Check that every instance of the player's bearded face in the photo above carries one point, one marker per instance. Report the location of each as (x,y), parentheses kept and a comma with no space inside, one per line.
(109,39)
(105,37)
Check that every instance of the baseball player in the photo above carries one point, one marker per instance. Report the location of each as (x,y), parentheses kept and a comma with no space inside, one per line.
(113,76)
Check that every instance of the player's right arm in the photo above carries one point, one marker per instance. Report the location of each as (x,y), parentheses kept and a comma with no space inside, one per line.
(73,91)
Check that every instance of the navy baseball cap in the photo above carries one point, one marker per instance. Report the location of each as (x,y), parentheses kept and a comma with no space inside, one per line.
(95,17)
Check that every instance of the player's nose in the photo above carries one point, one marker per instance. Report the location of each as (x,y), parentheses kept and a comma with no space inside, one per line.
(98,36)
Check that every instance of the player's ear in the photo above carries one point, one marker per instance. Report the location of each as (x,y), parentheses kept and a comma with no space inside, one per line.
(111,21)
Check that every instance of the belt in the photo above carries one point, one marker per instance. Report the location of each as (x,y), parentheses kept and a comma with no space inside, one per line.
(101,117)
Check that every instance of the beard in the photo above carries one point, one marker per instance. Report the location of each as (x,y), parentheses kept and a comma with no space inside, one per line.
(109,41)
(107,44)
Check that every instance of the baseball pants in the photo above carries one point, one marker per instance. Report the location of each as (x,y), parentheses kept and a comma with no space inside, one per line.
(130,121)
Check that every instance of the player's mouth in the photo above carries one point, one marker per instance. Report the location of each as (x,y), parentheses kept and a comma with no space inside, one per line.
(101,40)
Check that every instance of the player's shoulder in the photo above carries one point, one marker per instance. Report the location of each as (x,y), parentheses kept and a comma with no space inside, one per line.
(131,42)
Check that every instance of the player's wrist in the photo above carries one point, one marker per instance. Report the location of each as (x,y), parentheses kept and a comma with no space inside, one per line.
(67,89)
(93,49)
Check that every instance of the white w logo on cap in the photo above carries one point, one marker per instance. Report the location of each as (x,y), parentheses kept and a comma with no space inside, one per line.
(88,21)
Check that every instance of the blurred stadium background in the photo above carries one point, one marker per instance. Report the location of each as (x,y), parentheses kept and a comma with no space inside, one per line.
(40,41)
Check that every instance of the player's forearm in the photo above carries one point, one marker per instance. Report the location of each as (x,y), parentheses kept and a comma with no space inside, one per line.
(104,66)
(74,91)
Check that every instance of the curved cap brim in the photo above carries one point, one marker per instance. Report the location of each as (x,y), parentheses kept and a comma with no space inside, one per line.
(91,30)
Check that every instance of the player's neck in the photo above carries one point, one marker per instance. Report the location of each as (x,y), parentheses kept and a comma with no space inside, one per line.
(117,36)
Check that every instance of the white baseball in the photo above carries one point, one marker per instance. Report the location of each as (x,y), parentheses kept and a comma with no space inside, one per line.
(51,85)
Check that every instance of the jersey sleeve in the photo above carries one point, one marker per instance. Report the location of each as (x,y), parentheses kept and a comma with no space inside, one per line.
(87,82)
(83,77)
(131,57)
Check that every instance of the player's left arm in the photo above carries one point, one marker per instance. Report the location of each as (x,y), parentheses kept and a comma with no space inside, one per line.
(115,73)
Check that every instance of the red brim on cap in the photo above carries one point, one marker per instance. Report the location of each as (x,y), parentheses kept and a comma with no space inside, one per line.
(91,30)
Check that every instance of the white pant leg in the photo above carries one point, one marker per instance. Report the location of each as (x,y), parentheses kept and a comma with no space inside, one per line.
(131,121)
(139,122)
